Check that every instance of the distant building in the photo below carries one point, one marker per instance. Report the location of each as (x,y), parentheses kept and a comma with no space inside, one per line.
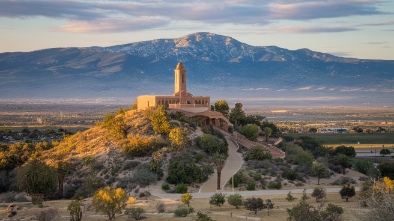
(185,102)
(181,99)
(333,130)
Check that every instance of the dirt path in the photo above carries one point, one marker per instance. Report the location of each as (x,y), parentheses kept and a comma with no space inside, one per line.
(233,164)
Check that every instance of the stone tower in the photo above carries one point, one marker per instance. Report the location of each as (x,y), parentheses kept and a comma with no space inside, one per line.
(180,80)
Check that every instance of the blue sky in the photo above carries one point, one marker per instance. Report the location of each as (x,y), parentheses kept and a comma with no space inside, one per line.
(354,28)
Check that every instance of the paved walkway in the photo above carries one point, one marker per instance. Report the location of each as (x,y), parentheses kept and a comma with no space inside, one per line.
(233,164)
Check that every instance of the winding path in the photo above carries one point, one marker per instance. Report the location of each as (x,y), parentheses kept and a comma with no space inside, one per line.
(233,164)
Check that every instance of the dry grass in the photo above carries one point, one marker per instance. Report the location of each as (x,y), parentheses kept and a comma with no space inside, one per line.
(224,213)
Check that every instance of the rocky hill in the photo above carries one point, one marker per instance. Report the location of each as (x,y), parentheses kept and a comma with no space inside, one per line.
(217,65)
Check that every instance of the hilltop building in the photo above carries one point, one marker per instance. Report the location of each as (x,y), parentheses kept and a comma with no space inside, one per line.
(185,102)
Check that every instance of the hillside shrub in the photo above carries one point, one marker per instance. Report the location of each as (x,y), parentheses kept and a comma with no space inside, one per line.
(74,208)
(181,188)
(258,153)
(135,212)
(275,185)
(46,215)
(182,211)
(250,186)
(183,170)
(235,200)
(165,186)
(138,146)
(144,177)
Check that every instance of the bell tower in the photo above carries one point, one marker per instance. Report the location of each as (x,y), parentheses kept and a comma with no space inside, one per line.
(180,80)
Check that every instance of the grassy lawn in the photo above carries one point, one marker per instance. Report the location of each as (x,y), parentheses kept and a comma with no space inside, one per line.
(376,139)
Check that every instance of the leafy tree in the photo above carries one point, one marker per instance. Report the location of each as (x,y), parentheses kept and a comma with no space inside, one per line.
(319,170)
(181,188)
(110,201)
(235,200)
(254,204)
(305,212)
(345,150)
(267,133)
(363,166)
(37,178)
(115,124)
(75,210)
(182,170)
(219,160)
(347,192)
(250,132)
(253,119)
(311,144)
(203,217)
(217,199)
(178,137)
(237,114)
(343,161)
(319,194)
(186,198)
(295,154)
(387,169)
(385,152)
(222,107)
(212,144)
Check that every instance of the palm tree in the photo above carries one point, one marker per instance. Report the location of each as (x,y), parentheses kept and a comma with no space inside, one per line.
(219,160)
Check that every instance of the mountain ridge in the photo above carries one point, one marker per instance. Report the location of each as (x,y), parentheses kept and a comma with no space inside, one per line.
(217,65)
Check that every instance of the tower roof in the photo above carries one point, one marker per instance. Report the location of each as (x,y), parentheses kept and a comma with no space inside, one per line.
(179,66)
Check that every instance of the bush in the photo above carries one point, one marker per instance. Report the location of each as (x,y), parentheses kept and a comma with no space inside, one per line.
(186,198)
(75,210)
(144,177)
(217,199)
(165,186)
(289,197)
(319,193)
(109,201)
(181,170)
(181,212)
(238,178)
(257,176)
(181,188)
(203,217)
(250,186)
(254,204)
(347,192)
(275,185)
(46,215)
(289,174)
(137,146)
(303,211)
(258,153)
(130,165)
(160,207)
(235,200)
(135,212)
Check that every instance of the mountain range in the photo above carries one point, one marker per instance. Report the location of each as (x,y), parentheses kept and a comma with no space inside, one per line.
(217,65)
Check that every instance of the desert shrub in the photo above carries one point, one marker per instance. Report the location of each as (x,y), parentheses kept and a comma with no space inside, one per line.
(303,211)
(123,182)
(239,178)
(186,198)
(203,217)
(343,181)
(387,169)
(130,165)
(217,199)
(46,215)
(144,194)
(275,185)
(165,186)
(289,174)
(250,131)
(264,164)
(289,197)
(115,124)
(131,200)
(181,188)
(295,154)
(347,192)
(160,207)
(258,153)
(144,177)
(257,176)
(211,144)
(7,197)
(138,146)
(181,211)
(75,210)
(98,166)
(135,212)
(235,200)
(250,186)
(90,184)
(319,194)
(181,170)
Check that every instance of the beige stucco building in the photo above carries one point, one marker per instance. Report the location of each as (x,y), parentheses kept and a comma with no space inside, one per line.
(181,99)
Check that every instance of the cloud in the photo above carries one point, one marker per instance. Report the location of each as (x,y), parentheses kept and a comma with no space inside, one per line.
(303,88)
(110,26)
(318,98)
(255,89)
(376,43)
(350,89)
(310,30)
(95,16)
(320,88)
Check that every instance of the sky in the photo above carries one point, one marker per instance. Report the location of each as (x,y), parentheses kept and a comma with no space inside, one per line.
(346,28)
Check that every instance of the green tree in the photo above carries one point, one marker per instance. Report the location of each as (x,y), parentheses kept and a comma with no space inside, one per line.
(237,114)
(345,150)
(251,132)
(178,137)
(217,199)
(385,152)
(219,160)
(160,122)
(347,192)
(343,161)
(319,170)
(305,212)
(319,194)
(110,201)
(37,178)
(254,204)
(235,200)
(222,107)
(212,144)
(267,133)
